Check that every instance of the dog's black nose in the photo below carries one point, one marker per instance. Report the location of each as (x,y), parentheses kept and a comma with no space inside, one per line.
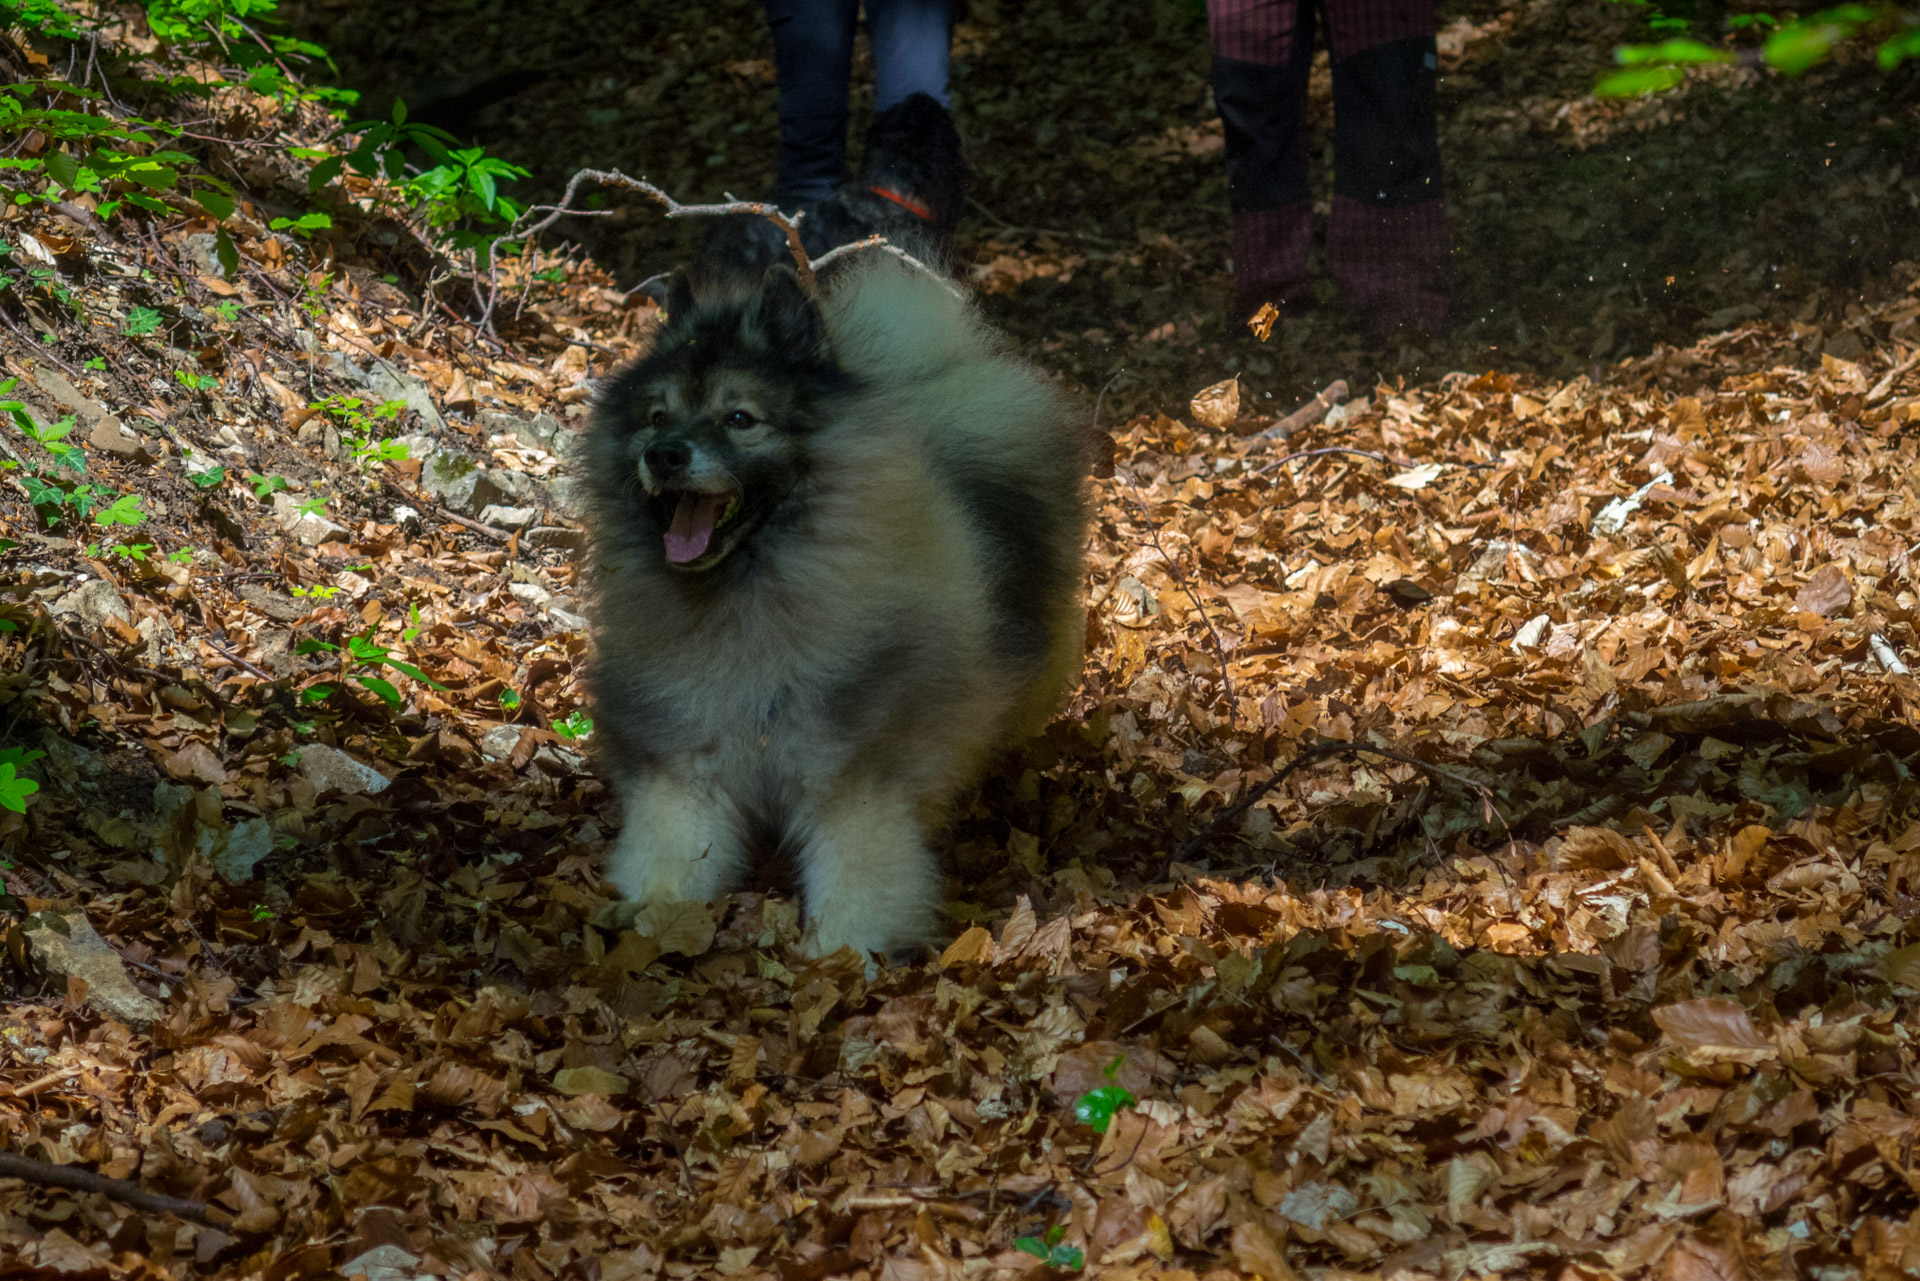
(667,458)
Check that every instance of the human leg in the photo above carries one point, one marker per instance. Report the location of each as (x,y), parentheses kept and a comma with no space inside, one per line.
(911,41)
(1387,243)
(1262,50)
(813,56)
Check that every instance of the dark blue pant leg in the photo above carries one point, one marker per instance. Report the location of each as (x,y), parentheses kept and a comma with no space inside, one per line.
(813,51)
(911,40)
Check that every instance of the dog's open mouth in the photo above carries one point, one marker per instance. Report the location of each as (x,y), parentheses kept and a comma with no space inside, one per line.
(702,528)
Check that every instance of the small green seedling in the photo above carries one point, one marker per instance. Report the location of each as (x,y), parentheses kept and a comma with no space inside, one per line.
(96,363)
(195,382)
(182,557)
(15,788)
(265,487)
(1096,1107)
(410,633)
(1047,1249)
(141,321)
(365,652)
(124,510)
(209,478)
(225,312)
(125,551)
(509,700)
(303,226)
(320,591)
(575,726)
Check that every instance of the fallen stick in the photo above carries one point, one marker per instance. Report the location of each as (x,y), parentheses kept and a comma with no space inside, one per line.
(1308,414)
(125,1191)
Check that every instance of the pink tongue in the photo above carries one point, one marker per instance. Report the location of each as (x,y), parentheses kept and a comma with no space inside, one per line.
(692,528)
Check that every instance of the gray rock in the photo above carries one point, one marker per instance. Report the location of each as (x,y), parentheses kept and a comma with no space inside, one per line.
(105,430)
(281,609)
(234,856)
(331,770)
(93,602)
(498,743)
(537,432)
(568,496)
(508,518)
(277,652)
(531,593)
(567,619)
(203,254)
(67,945)
(310,528)
(383,382)
(522,488)
(558,760)
(558,536)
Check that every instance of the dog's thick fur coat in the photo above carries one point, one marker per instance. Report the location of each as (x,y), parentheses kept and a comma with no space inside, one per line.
(840,552)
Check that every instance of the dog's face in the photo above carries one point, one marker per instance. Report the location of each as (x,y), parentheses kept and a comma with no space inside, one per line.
(715,423)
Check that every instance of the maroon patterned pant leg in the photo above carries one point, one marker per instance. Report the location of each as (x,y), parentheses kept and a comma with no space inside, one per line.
(1262,50)
(1387,244)
(1270,259)
(1390,264)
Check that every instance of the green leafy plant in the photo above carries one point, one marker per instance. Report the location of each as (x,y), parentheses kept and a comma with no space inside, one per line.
(265,487)
(195,382)
(319,591)
(15,787)
(209,478)
(182,557)
(364,658)
(574,726)
(411,632)
(225,312)
(1097,1106)
(124,510)
(1047,1249)
(126,551)
(509,700)
(141,321)
(1789,47)
(361,429)
(303,226)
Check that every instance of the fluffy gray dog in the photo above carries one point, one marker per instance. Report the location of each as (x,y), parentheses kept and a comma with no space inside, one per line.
(840,547)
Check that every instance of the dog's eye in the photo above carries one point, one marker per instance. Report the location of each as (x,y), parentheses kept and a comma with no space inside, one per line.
(739,420)
(658,418)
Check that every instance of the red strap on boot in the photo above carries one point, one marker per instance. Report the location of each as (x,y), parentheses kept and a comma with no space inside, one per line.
(919,208)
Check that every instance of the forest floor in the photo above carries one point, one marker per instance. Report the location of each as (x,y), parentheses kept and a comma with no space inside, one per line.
(1599,964)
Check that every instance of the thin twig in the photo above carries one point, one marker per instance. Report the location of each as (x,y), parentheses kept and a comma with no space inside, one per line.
(882,243)
(125,1191)
(614,178)
(1308,414)
(1333,449)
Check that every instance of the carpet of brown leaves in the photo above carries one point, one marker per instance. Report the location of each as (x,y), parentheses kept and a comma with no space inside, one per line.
(1605,970)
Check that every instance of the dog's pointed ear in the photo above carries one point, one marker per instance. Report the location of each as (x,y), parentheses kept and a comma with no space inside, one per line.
(785,315)
(679,294)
